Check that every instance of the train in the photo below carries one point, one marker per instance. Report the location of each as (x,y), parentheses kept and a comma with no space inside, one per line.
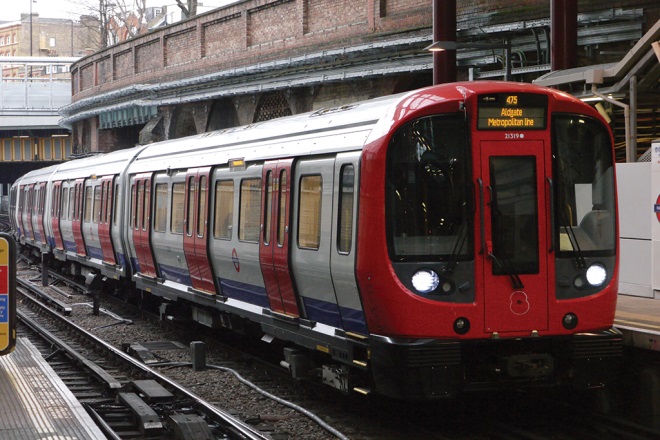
(455,238)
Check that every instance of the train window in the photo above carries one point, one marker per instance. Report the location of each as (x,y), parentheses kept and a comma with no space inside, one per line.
(268,206)
(309,212)
(72,203)
(115,204)
(177,208)
(346,202)
(281,221)
(53,202)
(88,204)
(160,216)
(133,209)
(224,209)
(428,199)
(514,214)
(102,218)
(190,207)
(146,205)
(97,204)
(249,215)
(201,214)
(584,189)
(108,202)
(139,212)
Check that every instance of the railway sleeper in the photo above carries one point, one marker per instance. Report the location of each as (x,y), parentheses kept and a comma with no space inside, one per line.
(147,419)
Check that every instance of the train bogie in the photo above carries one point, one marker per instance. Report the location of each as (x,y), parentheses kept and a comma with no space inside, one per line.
(458,237)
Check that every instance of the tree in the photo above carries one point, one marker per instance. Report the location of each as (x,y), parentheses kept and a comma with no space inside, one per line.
(117,20)
(189,9)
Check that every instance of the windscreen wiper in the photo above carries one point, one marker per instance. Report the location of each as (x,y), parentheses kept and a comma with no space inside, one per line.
(505,266)
(579,258)
(461,238)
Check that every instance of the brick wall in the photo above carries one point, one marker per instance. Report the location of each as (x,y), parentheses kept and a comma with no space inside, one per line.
(242,34)
(255,31)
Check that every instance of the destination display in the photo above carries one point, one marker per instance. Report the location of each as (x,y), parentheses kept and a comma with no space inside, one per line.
(510,111)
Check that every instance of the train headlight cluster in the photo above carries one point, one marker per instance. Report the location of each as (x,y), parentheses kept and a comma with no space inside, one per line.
(596,274)
(425,281)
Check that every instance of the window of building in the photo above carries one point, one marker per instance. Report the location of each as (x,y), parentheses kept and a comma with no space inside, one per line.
(51,41)
(309,212)
(250,210)
(224,209)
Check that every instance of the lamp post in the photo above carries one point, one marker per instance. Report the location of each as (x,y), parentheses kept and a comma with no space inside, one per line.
(31,1)
(454,45)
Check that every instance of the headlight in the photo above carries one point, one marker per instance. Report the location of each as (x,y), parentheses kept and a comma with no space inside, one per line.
(596,274)
(425,281)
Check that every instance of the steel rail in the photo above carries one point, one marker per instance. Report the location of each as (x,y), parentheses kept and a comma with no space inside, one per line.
(229,422)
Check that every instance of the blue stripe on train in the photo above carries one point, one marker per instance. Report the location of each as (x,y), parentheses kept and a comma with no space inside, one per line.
(331,314)
(175,274)
(95,252)
(244,292)
(70,246)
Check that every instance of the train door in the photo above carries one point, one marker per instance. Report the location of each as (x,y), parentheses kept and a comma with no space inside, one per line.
(78,199)
(55,212)
(107,185)
(22,193)
(313,246)
(343,246)
(140,223)
(274,242)
(514,235)
(195,237)
(40,202)
(29,231)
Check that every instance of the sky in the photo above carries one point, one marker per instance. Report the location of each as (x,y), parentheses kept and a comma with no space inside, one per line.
(10,10)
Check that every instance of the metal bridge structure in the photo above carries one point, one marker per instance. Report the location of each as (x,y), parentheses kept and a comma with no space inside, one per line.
(32,90)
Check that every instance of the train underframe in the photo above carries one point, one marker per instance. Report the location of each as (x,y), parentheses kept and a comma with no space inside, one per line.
(408,369)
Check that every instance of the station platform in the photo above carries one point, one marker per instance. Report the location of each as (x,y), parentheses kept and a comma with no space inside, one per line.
(35,402)
(639,320)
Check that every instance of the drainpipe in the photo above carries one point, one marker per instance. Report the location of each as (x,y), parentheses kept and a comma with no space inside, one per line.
(631,156)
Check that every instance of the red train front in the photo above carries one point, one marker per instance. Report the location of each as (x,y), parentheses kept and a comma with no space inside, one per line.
(487,250)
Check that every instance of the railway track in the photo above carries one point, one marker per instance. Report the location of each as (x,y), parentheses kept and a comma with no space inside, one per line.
(117,401)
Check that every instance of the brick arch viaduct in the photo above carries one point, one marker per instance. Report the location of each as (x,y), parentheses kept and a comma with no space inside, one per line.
(258,59)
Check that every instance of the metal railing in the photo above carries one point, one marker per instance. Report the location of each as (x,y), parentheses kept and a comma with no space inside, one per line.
(34,84)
